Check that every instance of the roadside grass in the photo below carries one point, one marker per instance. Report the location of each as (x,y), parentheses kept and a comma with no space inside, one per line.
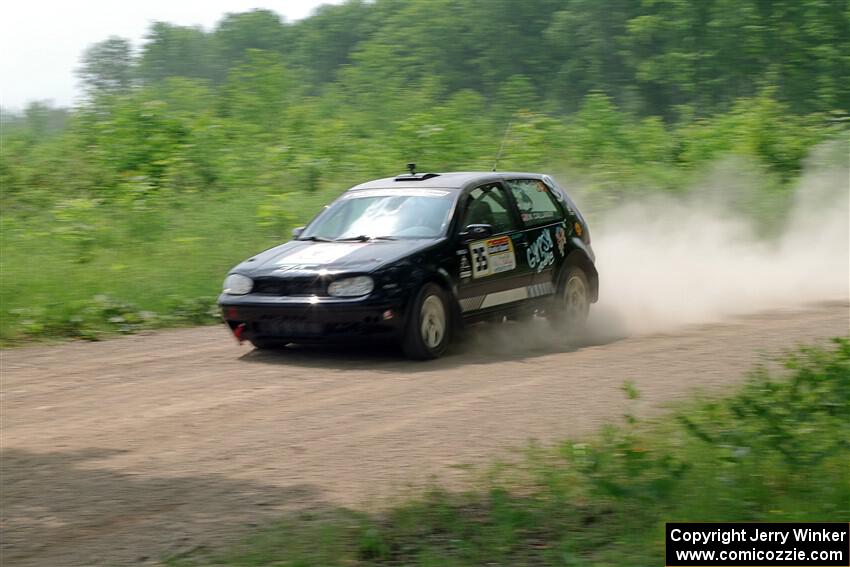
(89,263)
(775,450)
(89,270)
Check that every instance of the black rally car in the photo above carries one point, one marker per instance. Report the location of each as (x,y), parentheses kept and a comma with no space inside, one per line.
(411,258)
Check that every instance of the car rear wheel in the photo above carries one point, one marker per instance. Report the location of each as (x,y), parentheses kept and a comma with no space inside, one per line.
(572,302)
(427,330)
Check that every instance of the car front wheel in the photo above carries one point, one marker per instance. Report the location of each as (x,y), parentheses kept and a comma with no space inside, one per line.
(427,330)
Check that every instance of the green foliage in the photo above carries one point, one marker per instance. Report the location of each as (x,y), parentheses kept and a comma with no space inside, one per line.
(75,221)
(761,128)
(277,214)
(239,34)
(107,67)
(244,131)
(176,51)
(103,316)
(792,422)
(604,502)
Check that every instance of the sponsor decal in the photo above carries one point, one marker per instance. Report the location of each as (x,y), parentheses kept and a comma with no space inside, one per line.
(492,256)
(465,268)
(540,253)
(472,303)
(321,253)
(507,296)
(561,239)
(395,193)
(541,215)
(502,297)
(541,289)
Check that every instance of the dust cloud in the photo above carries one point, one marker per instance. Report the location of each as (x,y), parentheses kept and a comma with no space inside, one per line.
(704,257)
(724,248)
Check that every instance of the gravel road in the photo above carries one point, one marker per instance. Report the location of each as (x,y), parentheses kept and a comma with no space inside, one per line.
(120,452)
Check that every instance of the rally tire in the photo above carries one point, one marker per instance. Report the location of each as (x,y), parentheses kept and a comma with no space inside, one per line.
(571,304)
(427,330)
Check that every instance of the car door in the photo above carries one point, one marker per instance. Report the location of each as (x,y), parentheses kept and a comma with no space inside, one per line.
(544,229)
(493,271)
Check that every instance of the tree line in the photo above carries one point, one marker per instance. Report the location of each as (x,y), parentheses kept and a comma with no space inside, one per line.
(360,88)
(650,56)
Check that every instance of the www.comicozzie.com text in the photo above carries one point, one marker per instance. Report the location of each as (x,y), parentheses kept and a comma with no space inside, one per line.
(726,536)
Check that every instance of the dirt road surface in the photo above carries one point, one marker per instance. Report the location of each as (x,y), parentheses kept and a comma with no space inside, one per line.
(122,452)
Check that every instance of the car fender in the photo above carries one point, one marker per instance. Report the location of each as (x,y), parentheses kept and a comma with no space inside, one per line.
(583,257)
(447,282)
(425,273)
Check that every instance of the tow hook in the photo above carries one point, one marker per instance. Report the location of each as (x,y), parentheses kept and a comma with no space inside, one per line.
(238,331)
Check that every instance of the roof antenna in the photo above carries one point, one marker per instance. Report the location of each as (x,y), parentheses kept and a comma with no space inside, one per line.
(411,167)
(501,147)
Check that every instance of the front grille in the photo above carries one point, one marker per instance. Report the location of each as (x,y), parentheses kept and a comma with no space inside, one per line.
(289,286)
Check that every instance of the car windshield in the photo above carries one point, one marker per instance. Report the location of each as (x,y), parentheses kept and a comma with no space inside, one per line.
(384,213)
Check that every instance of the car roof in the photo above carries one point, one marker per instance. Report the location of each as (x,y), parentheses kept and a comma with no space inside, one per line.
(450,180)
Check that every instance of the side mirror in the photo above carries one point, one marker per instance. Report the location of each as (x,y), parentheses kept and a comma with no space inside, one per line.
(477,232)
(296,232)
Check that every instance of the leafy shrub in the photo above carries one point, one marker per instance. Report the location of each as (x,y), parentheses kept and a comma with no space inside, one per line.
(103,316)
(76,221)
(193,311)
(795,424)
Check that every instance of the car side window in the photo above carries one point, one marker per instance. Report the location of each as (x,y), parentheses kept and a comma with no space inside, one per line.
(536,204)
(489,204)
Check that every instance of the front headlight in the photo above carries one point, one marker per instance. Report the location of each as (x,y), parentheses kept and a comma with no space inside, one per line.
(237,284)
(352,287)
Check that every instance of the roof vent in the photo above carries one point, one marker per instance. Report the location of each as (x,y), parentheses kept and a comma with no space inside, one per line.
(413,176)
(416,176)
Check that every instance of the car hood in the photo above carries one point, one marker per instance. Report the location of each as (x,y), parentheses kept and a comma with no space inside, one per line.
(302,256)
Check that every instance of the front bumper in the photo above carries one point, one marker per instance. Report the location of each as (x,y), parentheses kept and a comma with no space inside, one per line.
(317,319)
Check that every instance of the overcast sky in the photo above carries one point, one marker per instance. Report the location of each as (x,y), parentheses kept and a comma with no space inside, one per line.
(41,41)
